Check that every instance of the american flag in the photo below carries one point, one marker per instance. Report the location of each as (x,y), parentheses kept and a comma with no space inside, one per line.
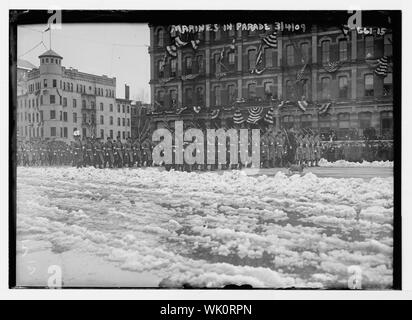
(300,73)
(382,68)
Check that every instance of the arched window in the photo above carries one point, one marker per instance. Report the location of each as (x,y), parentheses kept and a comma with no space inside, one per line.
(251,58)
(343,87)
(325,82)
(369,90)
(160,37)
(343,50)
(200,96)
(290,55)
(386,123)
(325,51)
(189,96)
(216,98)
(369,46)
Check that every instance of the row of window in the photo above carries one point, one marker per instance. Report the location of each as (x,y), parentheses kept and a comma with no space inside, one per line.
(63,101)
(269,90)
(270,59)
(51,60)
(68,86)
(344,121)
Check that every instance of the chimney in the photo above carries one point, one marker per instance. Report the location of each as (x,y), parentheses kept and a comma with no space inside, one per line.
(126,92)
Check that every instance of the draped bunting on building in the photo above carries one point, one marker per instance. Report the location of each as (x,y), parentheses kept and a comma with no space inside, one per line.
(268,41)
(323,108)
(238,117)
(269,116)
(172,50)
(255,114)
(214,114)
(180,110)
(382,67)
(332,66)
(302,104)
(197,109)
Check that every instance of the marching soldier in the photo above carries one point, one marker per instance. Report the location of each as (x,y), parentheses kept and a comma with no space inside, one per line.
(280,150)
(78,151)
(89,152)
(98,154)
(129,152)
(136,152)
(108,153)
(272,148)
(146,153)
(118,147)
(317,149)
(264,149)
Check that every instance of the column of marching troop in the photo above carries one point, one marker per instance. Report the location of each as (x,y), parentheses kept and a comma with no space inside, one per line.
(85,152)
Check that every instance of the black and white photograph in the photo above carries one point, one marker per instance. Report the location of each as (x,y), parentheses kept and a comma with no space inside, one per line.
(190,150)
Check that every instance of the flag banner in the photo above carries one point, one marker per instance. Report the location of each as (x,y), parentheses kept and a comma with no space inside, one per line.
(382,67)
(172,50)
(269,116)
(299,75)
(180,110)
(195,44)
(228,108)
(268,41)
(332,66)
(190,76)
(215,113)
(238,117)
(255,114)
(302,105)
(324,108)
(197,109)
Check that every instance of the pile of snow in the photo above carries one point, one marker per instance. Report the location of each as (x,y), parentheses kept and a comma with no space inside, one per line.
(210,230)
(343,163)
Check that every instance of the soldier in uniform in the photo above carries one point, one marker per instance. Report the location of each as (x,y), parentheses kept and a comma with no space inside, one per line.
(137,158)
(129,152)
(98,154)
(299,149)
(89,159)
(280,148)
(311,147)
(146,153)
(118,153)
(264,149)
(78,151)
(317,149)
(272,148)
(108,153)
(306,151)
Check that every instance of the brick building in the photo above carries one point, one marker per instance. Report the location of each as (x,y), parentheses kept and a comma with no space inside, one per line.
(336,70)
(61,100)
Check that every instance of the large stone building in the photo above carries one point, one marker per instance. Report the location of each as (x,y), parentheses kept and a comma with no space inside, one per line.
(335,72)
(61,100)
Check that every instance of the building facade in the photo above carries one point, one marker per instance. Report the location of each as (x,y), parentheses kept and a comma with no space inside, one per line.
(322,66)
(62,100)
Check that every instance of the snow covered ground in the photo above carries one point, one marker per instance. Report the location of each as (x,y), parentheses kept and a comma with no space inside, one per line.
(343,163)
(206,230)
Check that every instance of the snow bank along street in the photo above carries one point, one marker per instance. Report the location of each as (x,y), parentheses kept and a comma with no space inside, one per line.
(209,229)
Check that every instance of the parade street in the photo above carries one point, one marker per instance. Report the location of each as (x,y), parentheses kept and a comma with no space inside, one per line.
(151,227)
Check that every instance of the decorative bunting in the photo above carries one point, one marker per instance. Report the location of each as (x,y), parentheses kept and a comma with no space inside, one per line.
(382,67)
(271,40)
(238,117)
(215,113)
(180,110)
(179,43)
(332,66)
(172,50)
(255,114)
(324,107)
(302,105)
(269,116)
(197,109)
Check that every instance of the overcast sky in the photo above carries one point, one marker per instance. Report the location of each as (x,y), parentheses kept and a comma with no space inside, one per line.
(116,50)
